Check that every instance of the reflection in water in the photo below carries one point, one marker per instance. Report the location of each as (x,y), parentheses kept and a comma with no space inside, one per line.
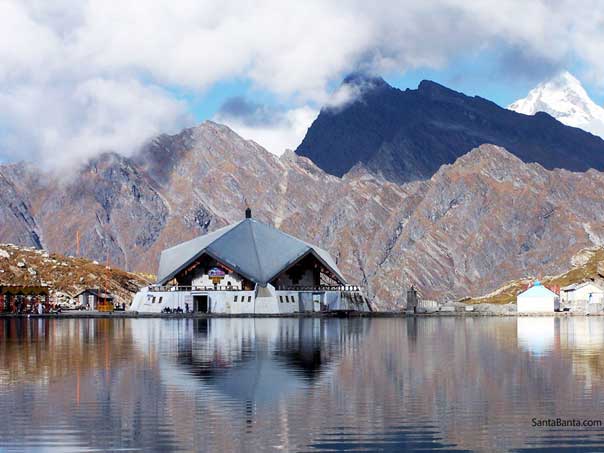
(299,384)
(536,334)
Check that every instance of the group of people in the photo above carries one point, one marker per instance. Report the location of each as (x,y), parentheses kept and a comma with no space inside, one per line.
(34,307)
(176,310)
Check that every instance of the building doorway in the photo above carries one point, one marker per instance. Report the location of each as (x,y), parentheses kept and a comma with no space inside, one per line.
(201,304)
(317,302)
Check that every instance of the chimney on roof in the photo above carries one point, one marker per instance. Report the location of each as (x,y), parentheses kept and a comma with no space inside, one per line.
(248,213)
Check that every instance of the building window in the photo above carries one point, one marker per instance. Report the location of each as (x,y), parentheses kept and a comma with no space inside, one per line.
(235,298)
(281,299)
(293,299)
(249,298)
(287,299)
(161,299)
(153,300)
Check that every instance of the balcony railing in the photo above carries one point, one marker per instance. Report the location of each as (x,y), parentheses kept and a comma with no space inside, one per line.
(159,288)
(319,288)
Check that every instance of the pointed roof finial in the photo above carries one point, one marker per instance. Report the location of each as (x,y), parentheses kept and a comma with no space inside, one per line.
(248,210)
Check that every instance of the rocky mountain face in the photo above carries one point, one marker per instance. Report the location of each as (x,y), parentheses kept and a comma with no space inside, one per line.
(408,135)
(185,185)
(475,224)
(16,223)
(564,98)
(490,217)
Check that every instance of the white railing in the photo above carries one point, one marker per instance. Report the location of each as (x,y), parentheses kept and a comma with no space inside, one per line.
(159,288)
(320,288)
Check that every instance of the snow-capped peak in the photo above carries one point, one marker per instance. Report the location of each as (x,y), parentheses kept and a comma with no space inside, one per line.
(564,98)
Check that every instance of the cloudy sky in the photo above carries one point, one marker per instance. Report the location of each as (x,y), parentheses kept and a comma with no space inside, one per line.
(80,77)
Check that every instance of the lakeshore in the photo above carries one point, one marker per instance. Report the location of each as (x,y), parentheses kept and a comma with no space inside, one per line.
(33,277)
(325,315)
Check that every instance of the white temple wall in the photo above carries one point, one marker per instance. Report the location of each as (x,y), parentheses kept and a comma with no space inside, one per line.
(265,301)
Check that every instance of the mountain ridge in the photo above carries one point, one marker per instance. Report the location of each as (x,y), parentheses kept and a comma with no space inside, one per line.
(515,218)
(407,135)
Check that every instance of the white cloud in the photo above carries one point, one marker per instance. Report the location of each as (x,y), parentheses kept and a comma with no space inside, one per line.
(55,56)
(285,131)
(343,96)
(56,124)
(349,92)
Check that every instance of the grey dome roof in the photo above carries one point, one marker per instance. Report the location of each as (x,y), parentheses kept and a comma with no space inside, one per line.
(253,249)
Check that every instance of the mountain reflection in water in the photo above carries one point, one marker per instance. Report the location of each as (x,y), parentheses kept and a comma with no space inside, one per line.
(448,384)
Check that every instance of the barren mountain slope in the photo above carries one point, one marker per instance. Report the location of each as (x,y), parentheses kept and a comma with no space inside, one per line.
(486,219)
(68,275)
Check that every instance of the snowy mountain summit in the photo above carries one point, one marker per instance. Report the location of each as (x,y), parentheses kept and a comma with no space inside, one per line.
(564,98)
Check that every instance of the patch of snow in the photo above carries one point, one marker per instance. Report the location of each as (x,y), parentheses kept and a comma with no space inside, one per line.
(564,98)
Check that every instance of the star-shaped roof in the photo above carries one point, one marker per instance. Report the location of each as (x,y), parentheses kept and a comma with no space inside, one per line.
(253,249)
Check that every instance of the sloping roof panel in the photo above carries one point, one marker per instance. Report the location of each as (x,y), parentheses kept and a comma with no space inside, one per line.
(174,259)
(537,291)
(329,261)
(255,250)
(238,250)
(276,250)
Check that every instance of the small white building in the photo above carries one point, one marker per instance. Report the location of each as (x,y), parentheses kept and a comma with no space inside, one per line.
(588,292)
(91,297)
(537,299)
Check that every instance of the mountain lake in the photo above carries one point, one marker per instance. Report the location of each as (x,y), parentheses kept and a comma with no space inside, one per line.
(302,384)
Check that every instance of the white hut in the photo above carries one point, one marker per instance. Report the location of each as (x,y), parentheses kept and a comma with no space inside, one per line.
(537,299)
(588,292)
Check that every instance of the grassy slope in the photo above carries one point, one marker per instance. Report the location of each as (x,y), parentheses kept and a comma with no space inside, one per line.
(586,267)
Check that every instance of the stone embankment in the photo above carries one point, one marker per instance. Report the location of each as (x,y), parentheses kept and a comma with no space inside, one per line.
(580,308)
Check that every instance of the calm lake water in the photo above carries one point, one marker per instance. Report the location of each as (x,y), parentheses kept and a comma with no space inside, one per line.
(449,384)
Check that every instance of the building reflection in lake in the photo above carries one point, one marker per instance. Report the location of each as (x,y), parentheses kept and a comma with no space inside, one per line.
(259,360)
(536,334)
